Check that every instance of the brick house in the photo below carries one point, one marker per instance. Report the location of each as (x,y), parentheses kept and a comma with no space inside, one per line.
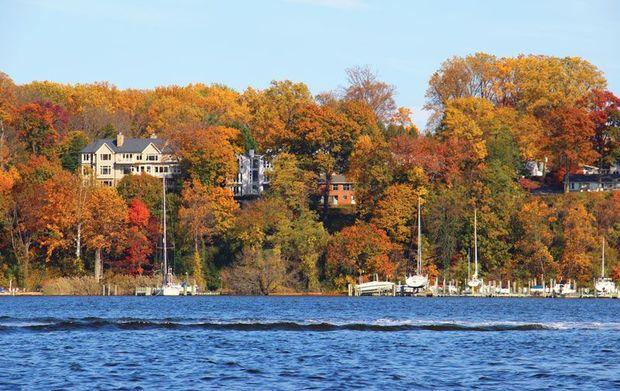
(341,190)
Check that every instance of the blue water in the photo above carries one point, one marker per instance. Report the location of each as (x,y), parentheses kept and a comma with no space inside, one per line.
(308,343)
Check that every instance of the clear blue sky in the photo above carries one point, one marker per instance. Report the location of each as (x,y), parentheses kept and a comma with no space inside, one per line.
(147,43)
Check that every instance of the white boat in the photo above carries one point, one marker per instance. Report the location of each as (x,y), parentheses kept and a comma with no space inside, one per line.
(474,281)
(418,281)
(375,287)
(168,286)
(604,285)
(563,288)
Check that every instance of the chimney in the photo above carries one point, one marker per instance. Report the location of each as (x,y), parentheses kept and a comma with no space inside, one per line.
(120,139)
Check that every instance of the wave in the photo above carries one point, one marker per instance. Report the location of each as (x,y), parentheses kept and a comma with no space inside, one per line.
(93,323)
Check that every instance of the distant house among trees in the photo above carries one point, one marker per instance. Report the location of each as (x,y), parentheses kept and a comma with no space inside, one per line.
(341,191)
(109,160)
(594,182)
(251,180)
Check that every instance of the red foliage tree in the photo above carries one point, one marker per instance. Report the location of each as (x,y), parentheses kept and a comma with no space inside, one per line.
(138,245)
(41,126)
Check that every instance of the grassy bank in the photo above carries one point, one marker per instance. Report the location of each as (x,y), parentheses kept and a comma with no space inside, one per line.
(88,286)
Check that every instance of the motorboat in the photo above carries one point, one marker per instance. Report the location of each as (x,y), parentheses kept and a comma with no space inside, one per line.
(375,287)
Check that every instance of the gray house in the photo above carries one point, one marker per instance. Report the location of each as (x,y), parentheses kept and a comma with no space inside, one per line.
(251,178)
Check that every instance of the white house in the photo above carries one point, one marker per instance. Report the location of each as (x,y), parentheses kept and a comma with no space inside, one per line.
(111,159)
(251,178)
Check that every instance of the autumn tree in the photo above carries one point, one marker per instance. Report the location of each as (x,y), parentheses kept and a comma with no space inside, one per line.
(604,111)
(289,182)
(208,154)
(364,86)
(299,238)
(533,248)
(104,223)
(569,134)
(358,250)
(144,187)
(396,213)
(371,171)
(206,212)
(41,126)
(139,245)
(579,242)
(272,111)
(70,150)
(323,139)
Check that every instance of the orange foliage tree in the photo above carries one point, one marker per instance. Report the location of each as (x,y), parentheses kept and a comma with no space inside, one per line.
(359,250)
(104,223)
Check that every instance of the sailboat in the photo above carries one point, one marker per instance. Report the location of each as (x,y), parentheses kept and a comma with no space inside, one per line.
(604,285)
(475,282)
(418,281)
(168,287)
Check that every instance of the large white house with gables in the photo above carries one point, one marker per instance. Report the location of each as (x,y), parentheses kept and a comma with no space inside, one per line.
(111,159)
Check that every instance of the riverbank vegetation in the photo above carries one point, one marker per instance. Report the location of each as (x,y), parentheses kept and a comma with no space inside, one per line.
(490,116)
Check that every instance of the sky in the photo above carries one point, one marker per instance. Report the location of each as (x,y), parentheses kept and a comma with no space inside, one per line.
(146,43)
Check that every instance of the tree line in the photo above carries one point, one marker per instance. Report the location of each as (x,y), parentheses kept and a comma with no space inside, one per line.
(490,116)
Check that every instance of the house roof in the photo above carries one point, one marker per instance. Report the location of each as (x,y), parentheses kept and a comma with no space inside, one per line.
(336,179)
(130,145)
(594,178)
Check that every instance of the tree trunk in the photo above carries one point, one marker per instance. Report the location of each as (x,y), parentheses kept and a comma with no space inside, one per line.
(328,183)
(98,265)
(78,242)
(567,177)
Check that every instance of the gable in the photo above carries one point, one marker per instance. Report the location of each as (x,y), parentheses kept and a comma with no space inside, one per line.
(104,148)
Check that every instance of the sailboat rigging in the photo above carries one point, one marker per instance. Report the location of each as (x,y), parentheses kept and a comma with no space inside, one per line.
(418,280)
(604,285)
(474,281)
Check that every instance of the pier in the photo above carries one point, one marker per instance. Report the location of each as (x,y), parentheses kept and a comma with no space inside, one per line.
(508,289)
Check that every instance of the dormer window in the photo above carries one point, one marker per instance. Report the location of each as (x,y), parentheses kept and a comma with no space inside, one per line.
(86,157)
(106,156)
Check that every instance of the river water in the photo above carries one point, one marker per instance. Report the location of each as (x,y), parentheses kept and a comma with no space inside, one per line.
(308,343)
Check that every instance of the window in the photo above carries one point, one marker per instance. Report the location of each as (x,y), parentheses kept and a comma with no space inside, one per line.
(141,168)
(105,170)
(151,158)
(126,170)
(106,183)
(127,156)
(334,187)
(148,168)
(86,157)
(138,157)
(346,186)
(165,169)
(106,156)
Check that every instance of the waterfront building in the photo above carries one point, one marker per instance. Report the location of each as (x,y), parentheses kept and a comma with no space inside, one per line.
(109,160)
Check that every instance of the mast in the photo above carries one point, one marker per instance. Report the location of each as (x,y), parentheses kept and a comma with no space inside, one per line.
(164,241)
(419,271)
(468,264)
(475,243)
(603,260)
